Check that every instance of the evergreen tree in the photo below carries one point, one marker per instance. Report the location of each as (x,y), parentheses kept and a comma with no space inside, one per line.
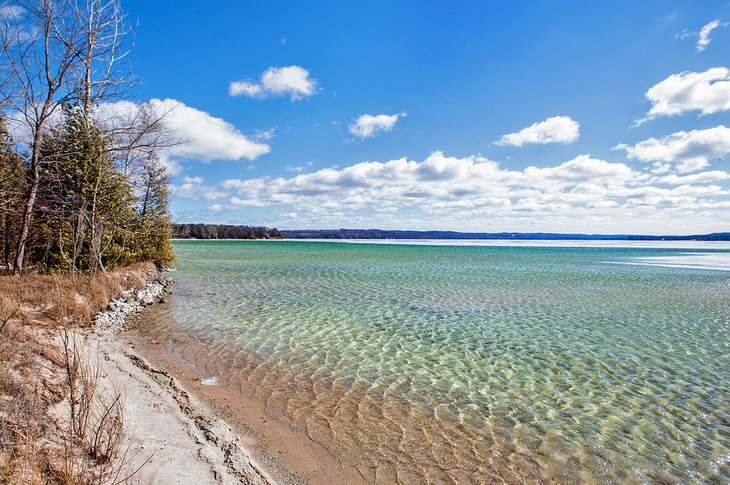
(153,227)
(12,189)
(89,201)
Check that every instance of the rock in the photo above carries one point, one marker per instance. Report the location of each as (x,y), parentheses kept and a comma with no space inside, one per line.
(130,303)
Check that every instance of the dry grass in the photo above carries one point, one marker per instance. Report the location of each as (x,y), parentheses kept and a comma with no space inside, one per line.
(94,428)
(22,407)
(37,375)
(57,299)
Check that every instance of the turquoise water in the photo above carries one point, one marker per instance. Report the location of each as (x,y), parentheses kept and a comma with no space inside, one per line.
(468,364)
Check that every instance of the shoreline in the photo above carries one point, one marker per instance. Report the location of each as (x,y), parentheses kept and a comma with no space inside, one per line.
(517,243)
(171,436)
(287,452)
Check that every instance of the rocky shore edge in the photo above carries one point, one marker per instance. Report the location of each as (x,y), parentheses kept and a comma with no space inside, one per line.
(172,437)
(131,301)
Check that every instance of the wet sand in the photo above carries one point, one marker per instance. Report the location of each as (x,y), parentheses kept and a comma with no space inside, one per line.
(287,453)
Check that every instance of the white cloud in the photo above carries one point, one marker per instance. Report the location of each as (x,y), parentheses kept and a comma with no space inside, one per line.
(707,92)
(298,168)
(475,193)
(264,135)
(292,81)
(367,126)
(704,35)
(437,184)
(702,177)
(200,135)
(244,88)
(206,137)
(194,188)
(687,150)
(557,129)
(683,35)
(172,167)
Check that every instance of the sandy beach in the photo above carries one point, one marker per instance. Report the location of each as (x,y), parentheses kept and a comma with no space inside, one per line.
(270,441)
(170,436)
(166,435)
(180,428)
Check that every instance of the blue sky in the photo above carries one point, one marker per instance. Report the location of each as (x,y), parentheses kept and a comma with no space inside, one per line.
(601,117)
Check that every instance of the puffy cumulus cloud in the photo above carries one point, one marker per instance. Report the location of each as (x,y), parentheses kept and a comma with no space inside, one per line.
(704,35)
(687,150)
(702,177)
(194,188)
(292,81)
(437,184)
(584,169)
(707,92)
(367,126)
(557,129)
(194,134)
(172,167)
(245,88)
(475,193)
(205,137)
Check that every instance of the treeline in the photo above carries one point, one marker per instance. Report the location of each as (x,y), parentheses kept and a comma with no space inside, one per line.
(395,234)
(223,231)
(715,236)
(81,189)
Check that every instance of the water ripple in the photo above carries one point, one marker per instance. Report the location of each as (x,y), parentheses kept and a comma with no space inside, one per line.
(464,364)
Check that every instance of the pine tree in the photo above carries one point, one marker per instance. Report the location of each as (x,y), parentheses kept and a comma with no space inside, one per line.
(90,211)
(12,188)
(153,225)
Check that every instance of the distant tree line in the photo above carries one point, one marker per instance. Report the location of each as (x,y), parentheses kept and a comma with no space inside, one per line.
(81,189)
(223,231)
(715,236)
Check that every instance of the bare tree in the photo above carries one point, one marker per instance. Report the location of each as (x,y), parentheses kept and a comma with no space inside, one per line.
(39,67)
(57,52)
(102,75)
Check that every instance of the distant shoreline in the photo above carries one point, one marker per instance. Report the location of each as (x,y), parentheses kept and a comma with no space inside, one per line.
(527,243)
(512,236)
(226,231)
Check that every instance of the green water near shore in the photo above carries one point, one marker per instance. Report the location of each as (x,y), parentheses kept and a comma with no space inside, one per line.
(437,363)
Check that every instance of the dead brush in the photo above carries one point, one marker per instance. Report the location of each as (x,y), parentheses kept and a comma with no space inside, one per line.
(86,445)
(21,410)
(96,418)
(9,310)
(62,298)
(21,423)
(81,382)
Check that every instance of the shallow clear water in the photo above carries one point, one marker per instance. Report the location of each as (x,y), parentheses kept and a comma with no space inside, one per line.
(436,363)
